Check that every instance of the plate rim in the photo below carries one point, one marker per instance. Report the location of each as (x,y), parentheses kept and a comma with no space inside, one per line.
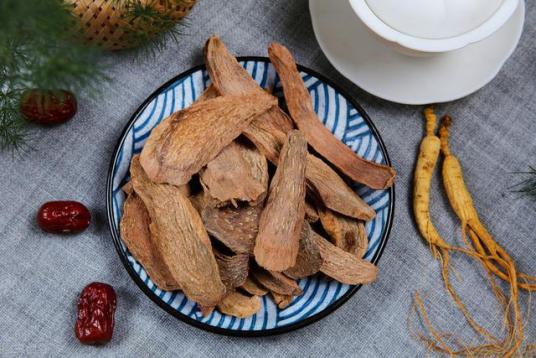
(114,232)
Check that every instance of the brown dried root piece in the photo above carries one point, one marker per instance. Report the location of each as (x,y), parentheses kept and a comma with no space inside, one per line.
(199,201)
(180,237)
(236,228)
(362,239)
(127,188)
(269,132)
(282,301)
(300,106)
(277,242)
(344,266)
(258,166)
(233,269)
(227,75)
(205,310)
(136,235)
(308,261)
(210,92)
(253,288)
(346,233)
(311,214)
(165,124)
(276,282)
(322,181)
(239,305)
(237,173)
(195,135)
(333,192)
(186,190)
(231,79)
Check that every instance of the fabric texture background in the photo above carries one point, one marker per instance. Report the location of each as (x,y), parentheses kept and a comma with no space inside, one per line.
(42,275)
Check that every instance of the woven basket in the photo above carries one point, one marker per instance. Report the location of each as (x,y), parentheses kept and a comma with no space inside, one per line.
(104,24)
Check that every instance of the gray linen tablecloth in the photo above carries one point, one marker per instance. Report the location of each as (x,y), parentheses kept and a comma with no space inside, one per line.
(41,275)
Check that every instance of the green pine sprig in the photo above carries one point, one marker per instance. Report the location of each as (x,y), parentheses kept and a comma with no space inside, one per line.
(41,46)
(13,128)
(526,187)
(38,49)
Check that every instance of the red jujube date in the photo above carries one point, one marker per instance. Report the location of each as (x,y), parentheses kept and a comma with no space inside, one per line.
(48,107)
(96,310)
(63,217)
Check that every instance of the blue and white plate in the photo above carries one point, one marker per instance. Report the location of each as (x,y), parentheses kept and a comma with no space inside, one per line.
(340,113)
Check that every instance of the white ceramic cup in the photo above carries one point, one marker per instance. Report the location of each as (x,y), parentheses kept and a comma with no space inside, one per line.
(419,27)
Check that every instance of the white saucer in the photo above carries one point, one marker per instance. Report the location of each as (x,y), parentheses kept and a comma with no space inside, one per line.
(380,70)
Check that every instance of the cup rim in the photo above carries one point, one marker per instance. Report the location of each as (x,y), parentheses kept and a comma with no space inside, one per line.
(375,24)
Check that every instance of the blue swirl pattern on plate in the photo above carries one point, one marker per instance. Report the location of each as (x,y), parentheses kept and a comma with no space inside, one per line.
(337,114)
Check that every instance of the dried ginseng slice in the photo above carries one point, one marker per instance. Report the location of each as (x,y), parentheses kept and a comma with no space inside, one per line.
(237,173)
(239,305)
(300,106)
(210,92)
(344,266)
(127,188)
(200,201)
(206,310)
(276,282)
(333,192)
(258,168)
(197,134)
(269,132)
(227,75)
(322,181)
(282,301)
(346,233)
(253,288)
(233,269)
(362,238)
(164,126)
(180,237)
(236,228)
(281,221)
(308,261)
(231,79)
(311,214)
(136,235)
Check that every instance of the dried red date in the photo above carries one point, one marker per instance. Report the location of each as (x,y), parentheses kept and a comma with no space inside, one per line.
(96,309)
(48,107)
(63,217)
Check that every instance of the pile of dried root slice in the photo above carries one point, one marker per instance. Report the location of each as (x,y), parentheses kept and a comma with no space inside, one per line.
(479,245)
(228,203)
